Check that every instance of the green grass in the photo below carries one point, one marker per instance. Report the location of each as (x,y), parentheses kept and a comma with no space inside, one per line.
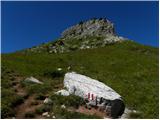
(129,68)
(68,101)
(9,98)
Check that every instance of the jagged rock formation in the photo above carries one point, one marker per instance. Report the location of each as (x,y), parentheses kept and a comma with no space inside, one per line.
(93,27)
(85,35)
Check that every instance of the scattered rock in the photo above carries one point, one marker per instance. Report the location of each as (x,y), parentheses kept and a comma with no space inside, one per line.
(47,101)
(34,80)
(63,106)
(48,115)
(45,114)
(63,92)
(59,69)
(69,68)
(126,113)
(53,117)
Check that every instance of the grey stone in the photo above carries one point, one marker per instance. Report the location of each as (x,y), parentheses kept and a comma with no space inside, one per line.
(34,80)
(63,106)
(45,114)
(98,27)
(47,101)
(63,92)
(53,117)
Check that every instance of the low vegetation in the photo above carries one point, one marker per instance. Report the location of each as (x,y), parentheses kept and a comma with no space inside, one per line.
(68,101)
(129,68)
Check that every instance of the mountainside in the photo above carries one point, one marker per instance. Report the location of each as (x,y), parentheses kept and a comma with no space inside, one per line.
(129,68)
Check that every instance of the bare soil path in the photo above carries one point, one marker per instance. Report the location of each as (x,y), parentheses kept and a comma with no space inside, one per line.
(92,111)
(27,105)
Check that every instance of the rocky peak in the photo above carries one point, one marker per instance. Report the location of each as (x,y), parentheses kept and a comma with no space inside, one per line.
(93,27)
(90,34)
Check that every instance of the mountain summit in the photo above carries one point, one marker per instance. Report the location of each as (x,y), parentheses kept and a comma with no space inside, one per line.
(93,27)
(85,35)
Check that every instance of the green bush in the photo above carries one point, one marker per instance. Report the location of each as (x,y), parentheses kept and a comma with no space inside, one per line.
(73,47)
(6,111)
(40,96)
(34,103)
(54,74)
(40,110)
(43,108)
(17,100)
(8,104)
(29,115)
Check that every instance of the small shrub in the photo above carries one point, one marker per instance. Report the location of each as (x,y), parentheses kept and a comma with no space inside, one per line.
(42,109)
(40,97)
(36,88)
(6,112)
(74,47)
(26,96)
(34,103)
(81,22)
(29,115)
(54,73)
(17,100)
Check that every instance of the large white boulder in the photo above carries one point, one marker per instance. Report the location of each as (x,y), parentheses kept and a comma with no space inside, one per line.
(81,85)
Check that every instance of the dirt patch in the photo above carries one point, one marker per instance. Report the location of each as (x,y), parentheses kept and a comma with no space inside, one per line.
(92,111)
(27,105)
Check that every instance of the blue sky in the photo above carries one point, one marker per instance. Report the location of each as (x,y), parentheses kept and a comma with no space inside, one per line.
(26,24)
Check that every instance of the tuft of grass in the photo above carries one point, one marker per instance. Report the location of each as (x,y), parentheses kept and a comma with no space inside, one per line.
(135,115)
(43,108)
(54,74)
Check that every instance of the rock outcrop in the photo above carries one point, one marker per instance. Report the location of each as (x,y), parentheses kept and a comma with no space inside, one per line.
(93,27)
(90,34)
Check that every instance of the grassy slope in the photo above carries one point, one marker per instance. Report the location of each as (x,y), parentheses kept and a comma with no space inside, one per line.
(129,68)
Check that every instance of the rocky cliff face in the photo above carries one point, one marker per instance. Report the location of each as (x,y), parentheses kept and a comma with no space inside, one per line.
(93,27)
(85,35)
